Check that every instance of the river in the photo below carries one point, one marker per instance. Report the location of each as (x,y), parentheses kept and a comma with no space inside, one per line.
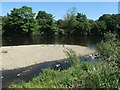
(27,73)
(90,41)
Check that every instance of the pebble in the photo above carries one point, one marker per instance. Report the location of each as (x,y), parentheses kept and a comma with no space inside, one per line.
(26,71)
(18,75)
(91,57)
(58,65)
(2,77)
(4,51)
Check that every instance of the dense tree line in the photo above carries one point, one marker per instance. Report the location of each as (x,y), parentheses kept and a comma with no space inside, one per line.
(22,21)
(0,25)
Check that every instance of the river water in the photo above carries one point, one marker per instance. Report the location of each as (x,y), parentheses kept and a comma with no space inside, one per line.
(90,41)
(28,73)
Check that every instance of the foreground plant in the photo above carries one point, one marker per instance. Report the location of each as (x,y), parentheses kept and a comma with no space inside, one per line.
(109,49)
(84,75)
(72,56)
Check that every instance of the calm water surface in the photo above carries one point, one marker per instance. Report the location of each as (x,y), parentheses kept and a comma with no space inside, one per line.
(83,41)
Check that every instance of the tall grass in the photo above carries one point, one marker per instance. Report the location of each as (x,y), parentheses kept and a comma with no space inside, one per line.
(72,56)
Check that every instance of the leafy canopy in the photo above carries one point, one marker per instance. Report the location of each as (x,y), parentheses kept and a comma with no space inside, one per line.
(20,22)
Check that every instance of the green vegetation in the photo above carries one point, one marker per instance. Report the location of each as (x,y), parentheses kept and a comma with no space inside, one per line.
(109,49)
(84,75)
(0,25)
(23,21)
(45,23)
(101,74)
(73,59)
(19,22)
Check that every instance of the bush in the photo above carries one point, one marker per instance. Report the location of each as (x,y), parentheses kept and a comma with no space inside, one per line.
(97,75)
(73,58)
(109,49)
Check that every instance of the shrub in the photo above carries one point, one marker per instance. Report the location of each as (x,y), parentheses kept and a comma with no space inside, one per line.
(97,75)
(109,49)
(73,58)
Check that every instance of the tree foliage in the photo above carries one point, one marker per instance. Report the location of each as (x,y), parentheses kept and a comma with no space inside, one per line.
(109,48)
(20,22)
(70,21)
(112,22)
(45,23)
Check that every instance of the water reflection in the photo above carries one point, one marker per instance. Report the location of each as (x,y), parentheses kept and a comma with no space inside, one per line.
(83,41)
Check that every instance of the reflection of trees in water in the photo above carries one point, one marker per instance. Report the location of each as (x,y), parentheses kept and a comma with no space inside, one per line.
(83,41)
(16,41)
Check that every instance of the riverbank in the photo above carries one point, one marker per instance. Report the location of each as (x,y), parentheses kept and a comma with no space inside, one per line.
(14,57)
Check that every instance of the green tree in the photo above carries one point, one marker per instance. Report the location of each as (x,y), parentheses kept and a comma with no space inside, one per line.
(70,21)
(58,28)
(112,22)
(61,24)
(45,22)
(81,17)
(0,25)
(83,27)
(98,28)
(19,22)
